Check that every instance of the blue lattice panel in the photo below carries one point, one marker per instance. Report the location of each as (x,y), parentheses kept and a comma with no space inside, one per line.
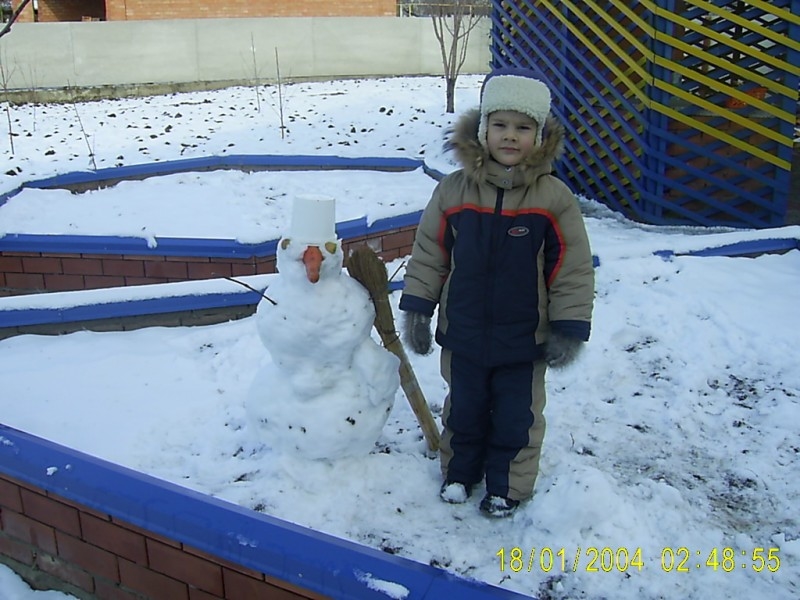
(677,112)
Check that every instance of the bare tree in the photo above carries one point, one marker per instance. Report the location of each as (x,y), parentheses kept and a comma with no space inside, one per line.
(14,16)
(4,77)
(453,22)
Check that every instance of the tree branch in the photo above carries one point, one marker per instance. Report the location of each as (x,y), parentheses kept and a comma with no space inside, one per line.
(14,16)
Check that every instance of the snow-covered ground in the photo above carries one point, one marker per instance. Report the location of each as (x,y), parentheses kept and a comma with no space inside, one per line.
(675,433)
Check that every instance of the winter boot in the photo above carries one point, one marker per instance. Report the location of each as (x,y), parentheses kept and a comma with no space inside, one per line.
(497,506)
(454,492)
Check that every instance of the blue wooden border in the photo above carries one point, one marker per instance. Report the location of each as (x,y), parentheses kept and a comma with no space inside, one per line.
(289,552)
(100,244)
(125,308)
(207,163)
(744,248)
(168,246)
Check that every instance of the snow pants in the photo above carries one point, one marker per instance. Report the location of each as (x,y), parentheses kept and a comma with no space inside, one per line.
(493,424)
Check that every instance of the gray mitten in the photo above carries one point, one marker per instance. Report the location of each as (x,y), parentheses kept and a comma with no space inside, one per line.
(418,332)
(561,350)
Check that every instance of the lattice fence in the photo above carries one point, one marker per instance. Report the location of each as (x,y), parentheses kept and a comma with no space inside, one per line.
(677,112)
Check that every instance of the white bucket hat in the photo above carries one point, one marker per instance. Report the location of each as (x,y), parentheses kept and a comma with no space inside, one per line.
(313,219)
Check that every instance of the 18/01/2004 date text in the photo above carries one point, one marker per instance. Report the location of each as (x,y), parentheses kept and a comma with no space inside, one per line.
(605,559)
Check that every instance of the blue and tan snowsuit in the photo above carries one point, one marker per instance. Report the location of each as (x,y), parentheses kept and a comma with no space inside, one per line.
(504,253)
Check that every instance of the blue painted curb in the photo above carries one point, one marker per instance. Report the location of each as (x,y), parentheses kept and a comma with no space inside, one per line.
(234,161)
(99,244)
(301,556)
(125,308)
(745,248)
(215,248)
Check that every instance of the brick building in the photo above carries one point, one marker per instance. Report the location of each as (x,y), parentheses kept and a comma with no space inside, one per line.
(137,10)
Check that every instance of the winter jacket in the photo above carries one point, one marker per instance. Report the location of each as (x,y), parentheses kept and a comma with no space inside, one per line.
(504,252)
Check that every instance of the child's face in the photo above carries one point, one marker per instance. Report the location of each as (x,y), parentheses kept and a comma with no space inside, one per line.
(510,136)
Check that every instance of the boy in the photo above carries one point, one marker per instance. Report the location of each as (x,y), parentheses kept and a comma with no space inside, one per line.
(502,249)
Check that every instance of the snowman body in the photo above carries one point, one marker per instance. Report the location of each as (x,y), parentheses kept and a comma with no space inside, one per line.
(330,387)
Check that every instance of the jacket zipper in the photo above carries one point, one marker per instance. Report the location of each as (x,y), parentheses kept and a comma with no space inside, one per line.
(491,259)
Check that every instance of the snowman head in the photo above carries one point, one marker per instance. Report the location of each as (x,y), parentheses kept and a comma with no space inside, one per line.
(299,261)
(312,238)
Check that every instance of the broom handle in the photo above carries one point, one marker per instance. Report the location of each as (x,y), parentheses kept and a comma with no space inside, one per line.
(408,380)
(413,392)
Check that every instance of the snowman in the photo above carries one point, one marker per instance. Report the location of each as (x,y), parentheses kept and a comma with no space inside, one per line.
(330,387)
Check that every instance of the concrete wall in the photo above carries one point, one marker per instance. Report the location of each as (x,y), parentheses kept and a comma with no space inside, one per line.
(92,54)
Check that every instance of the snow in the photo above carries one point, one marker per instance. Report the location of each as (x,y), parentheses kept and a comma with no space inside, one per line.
(676,431)
(14,588)
(389,588)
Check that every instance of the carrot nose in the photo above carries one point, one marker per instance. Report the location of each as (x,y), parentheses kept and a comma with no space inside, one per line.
(312,259)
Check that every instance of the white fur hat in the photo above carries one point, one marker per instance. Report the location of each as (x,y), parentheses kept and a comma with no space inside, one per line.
(514,89)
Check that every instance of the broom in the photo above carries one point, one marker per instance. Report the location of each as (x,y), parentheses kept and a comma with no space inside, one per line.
(368,269)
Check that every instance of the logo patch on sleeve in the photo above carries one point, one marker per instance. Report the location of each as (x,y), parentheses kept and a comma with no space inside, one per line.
(518,231)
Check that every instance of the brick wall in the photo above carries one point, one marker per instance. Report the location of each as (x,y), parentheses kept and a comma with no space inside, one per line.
(26,16)
(122,10)
(30,272)
(57,544)
(197,9)
(71,10)
(26,272)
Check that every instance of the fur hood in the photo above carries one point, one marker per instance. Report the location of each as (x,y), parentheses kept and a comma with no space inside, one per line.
(474,158)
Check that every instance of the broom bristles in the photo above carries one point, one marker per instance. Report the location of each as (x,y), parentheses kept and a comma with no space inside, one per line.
(365,266)
(369,270)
